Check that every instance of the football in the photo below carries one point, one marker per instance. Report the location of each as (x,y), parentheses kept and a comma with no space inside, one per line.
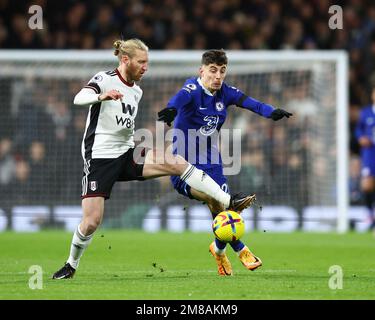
(228,226)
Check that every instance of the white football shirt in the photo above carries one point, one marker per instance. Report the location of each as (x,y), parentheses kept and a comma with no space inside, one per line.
(110,124)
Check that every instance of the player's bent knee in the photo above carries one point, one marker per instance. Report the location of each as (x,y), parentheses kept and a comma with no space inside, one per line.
(171,159)
(173,169)
(177,169)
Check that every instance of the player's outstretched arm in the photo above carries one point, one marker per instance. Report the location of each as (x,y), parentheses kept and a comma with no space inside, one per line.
(261,108)
(167,115)
(110,95)
(88,96)
(278,114)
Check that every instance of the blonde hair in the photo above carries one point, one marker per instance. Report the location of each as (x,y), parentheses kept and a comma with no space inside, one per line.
(128,47)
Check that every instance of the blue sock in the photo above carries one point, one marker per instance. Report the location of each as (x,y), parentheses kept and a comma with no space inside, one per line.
(237,245)
(220,245)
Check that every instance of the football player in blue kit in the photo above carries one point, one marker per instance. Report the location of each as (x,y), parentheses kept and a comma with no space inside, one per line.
(199,110)
(109,152)
(365,133)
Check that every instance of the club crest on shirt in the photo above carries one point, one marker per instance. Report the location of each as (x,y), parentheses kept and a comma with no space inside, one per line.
(93,185)
(219,106)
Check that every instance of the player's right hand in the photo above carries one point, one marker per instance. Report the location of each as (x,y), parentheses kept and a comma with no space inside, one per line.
(167,115)
(111,95)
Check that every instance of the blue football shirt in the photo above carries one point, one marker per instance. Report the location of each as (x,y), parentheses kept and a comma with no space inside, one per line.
(200,116)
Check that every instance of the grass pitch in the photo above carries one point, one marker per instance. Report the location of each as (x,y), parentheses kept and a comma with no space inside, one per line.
(135,265)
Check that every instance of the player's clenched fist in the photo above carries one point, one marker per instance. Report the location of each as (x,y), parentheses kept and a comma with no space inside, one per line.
(111,95)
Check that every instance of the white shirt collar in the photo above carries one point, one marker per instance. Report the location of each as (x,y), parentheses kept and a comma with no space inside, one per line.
(204,89)
(373,108)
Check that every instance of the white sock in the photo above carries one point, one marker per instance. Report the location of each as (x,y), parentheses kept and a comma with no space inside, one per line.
(201,181)
(78,246)
(219,251)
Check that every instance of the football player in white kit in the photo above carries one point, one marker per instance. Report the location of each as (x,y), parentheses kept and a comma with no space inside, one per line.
(109,152)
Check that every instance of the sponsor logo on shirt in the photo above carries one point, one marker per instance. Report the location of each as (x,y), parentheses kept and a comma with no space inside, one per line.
(211,125)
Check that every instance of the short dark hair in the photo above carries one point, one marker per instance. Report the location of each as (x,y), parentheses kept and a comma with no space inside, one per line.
(214,56)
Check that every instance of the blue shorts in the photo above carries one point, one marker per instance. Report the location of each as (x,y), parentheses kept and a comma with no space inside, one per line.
(368,162)
(184,189)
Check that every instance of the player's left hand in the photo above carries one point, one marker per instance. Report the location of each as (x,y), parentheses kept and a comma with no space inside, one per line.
(278,114)
(167,115)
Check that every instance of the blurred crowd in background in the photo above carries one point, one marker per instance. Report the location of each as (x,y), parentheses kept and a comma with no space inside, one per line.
(201,24)
(166,24)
